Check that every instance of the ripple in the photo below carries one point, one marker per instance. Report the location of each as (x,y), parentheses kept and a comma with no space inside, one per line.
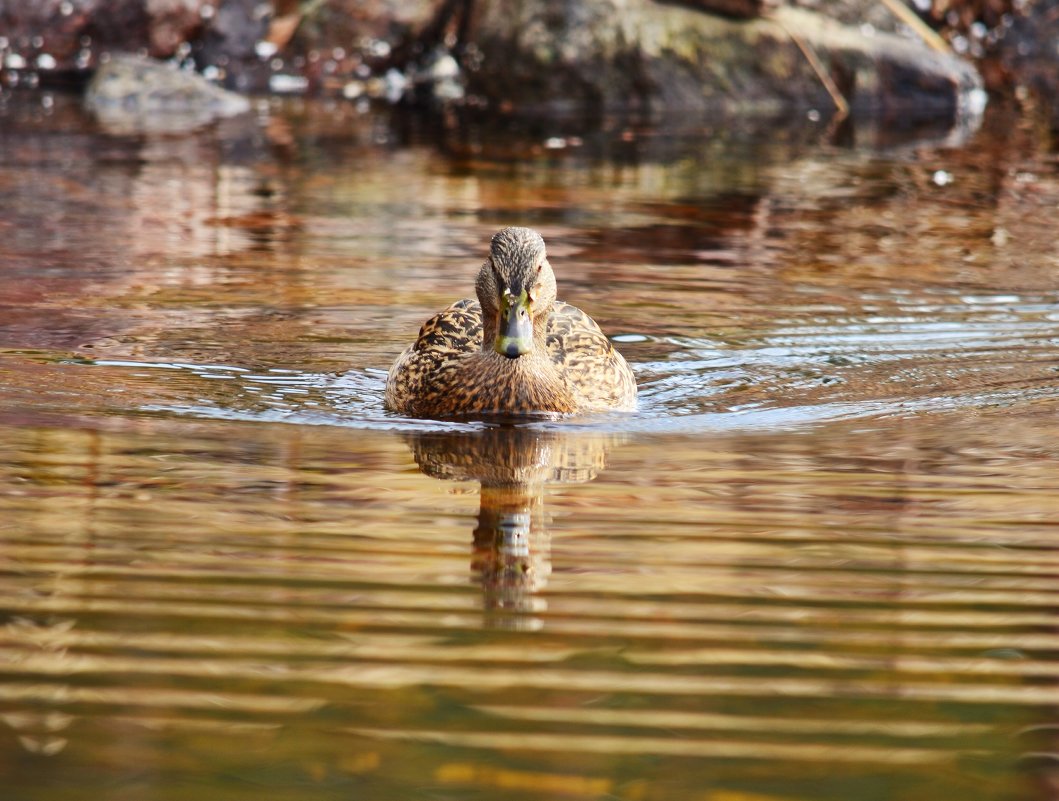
(928,357)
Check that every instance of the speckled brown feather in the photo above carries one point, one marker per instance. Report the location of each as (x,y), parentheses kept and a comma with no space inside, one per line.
(447,372)
(596,373)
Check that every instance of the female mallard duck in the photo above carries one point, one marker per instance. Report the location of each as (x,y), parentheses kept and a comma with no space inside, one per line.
(514,350)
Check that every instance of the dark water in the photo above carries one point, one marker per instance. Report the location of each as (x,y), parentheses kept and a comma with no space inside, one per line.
(818,563)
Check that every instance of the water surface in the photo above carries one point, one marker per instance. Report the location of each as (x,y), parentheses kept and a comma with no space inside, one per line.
(817,563)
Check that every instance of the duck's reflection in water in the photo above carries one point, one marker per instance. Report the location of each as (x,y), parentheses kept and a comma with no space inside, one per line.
(512,545)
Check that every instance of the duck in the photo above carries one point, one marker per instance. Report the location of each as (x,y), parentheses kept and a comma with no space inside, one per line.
(515,350)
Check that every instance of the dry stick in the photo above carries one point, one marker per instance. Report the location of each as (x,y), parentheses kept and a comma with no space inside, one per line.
(909,18)
(841,106)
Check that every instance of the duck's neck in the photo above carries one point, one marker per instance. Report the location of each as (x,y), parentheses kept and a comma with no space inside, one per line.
(528,383)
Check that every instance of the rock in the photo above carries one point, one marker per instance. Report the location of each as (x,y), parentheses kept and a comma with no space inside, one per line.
(745,9)
(129,93)
(231,41)
(226,36)
(74,32)
(172,23)
(1026,57)
(638,55)
(556,55)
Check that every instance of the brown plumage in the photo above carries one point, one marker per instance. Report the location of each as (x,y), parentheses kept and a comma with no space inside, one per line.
(514,350)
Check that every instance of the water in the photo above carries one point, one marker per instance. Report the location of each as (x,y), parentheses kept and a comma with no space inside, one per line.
(817,563)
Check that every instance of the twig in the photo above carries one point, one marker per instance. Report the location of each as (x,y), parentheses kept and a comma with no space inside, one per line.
(909,18)
(841,105)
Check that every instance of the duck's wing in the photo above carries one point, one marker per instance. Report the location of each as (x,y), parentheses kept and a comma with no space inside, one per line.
(415,377)
(457,329)
(592,368)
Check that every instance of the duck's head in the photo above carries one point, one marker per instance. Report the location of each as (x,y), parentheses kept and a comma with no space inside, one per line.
(516,288)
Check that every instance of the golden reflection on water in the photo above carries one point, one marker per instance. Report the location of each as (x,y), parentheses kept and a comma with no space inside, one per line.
(682,606)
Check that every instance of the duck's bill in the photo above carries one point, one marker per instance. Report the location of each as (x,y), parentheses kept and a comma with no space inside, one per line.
(515,336)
